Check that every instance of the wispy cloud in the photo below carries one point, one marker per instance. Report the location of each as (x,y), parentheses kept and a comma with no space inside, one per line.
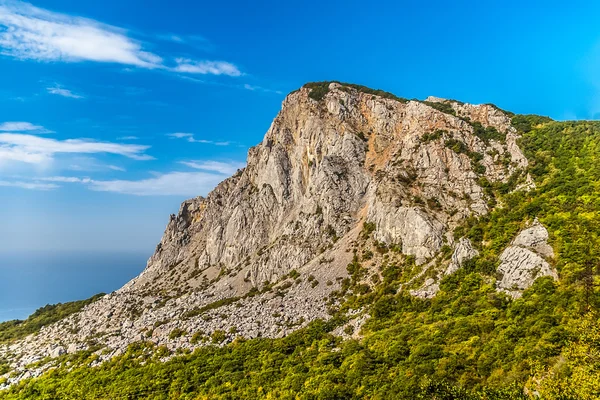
(29,185)
(89,164)
(38,150)
(31,33)
(261,89)
(37,34)
(225,168)
(65,179)
(174,183)
(246,86)
(169,184)
(206,67)
(128,138)
(180,135)
(19,126)
(59,91)
(190,138)
(196,41)
(172,37)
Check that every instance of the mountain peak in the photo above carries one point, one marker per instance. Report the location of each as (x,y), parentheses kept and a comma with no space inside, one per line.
(344,173)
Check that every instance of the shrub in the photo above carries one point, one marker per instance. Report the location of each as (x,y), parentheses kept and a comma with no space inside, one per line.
(177,333)
(218,336)
(445,107)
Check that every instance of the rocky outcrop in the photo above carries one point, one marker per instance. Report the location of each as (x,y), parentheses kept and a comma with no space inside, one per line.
(524,260)
(419,233)
(463,252)
(265,249)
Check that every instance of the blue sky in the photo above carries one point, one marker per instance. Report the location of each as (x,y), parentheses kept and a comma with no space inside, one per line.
(113,112)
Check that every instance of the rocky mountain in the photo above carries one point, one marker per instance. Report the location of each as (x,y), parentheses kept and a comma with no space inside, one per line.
(344,173)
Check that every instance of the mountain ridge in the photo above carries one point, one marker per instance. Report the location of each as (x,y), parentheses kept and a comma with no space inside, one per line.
(345,185)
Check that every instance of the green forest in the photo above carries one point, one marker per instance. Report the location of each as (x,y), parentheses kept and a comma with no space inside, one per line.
(468,342)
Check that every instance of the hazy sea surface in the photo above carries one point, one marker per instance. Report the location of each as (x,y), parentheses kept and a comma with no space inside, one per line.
(29,280)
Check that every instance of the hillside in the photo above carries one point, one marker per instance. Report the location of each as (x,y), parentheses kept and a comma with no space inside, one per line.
(373,247)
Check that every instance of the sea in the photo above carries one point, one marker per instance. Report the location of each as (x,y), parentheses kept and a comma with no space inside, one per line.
(29,280)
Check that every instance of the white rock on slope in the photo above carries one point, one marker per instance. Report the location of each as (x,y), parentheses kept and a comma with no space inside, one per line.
(463,252)
(523,261)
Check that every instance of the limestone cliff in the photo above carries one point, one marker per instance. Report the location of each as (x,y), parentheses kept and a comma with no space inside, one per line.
(261,254)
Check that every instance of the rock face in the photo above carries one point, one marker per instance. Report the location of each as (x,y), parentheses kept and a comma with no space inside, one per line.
(263,251)
(463,251)
(524,261)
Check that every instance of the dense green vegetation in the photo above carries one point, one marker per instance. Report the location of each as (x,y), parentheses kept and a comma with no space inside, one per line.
(564,162)
(17,329)
(469,342)
(468,335)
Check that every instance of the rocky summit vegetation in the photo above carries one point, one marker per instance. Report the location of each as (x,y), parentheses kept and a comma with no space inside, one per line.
(373,248)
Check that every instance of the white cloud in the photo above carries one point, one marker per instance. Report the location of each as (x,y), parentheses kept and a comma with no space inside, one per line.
(34,33)
(87,164)
(172,38)
(65,179)
(16,126)
(31,33)
(180,135)
(190,138)
(29,185)
(193,140)
(225,168)
(38,150)
(169,184)
(57,90)
(193,41)
(14,153)
(260,89)
(206,67)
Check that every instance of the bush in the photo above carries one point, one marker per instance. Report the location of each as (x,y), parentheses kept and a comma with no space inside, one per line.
(177,333)
(445,107)
(16,329)
(218,336)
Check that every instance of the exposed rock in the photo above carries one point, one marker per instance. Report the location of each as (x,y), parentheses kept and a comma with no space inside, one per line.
(419,233)
(57,352)
(523,261)
(463,252)
(428,290)
(73,348)
(265,249)
(433,99)
(536,238)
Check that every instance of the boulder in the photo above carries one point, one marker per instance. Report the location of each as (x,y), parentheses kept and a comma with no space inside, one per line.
(524,261)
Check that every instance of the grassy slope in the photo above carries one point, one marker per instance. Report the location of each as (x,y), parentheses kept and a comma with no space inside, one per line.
(17,329)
